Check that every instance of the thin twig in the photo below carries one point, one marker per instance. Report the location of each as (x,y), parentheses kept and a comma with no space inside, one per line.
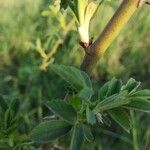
(47,57)
(46,60)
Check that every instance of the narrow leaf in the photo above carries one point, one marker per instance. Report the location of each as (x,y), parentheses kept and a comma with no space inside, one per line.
(50,130)
(111,102)
(90,11)
(131,85)
(121,117)
(145,94)
(87,133)
(8,117)
(77,138)
(64,110)
(15,104)
(81,6)
(139,104)
(3,104)
(102,94)
(91,119)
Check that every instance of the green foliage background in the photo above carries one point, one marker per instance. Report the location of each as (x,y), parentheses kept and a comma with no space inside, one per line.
(22,23)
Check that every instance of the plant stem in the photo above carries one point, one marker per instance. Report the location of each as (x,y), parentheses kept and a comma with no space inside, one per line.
(117,22)
(134,131)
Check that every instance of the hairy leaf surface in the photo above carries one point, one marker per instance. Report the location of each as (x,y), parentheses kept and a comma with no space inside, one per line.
(64,110)
(77,137)
(121,117)
(50,130)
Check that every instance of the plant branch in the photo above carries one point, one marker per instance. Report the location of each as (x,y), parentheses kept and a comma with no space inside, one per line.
(47,57)
(112,29)
(46,60)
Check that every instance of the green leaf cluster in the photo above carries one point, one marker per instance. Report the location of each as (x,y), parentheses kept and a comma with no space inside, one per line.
(79,113)
(9,118)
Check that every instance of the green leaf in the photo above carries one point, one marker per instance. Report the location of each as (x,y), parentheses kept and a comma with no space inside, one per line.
(15,104)
(75,102)
(114,87)
(8,118)
(74,76)
(90,11)
(81,6)
(102,94)
(109,88)
(50,130)
(121,117)
(131,85)
(111,102)
(85,78)
(77,137)
(139,104)
(3,104)
(145,94)
(64,110)
(87,133)
(91,119)
(86,94)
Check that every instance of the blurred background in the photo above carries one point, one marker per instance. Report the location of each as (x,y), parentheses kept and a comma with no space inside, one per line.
(34,34)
